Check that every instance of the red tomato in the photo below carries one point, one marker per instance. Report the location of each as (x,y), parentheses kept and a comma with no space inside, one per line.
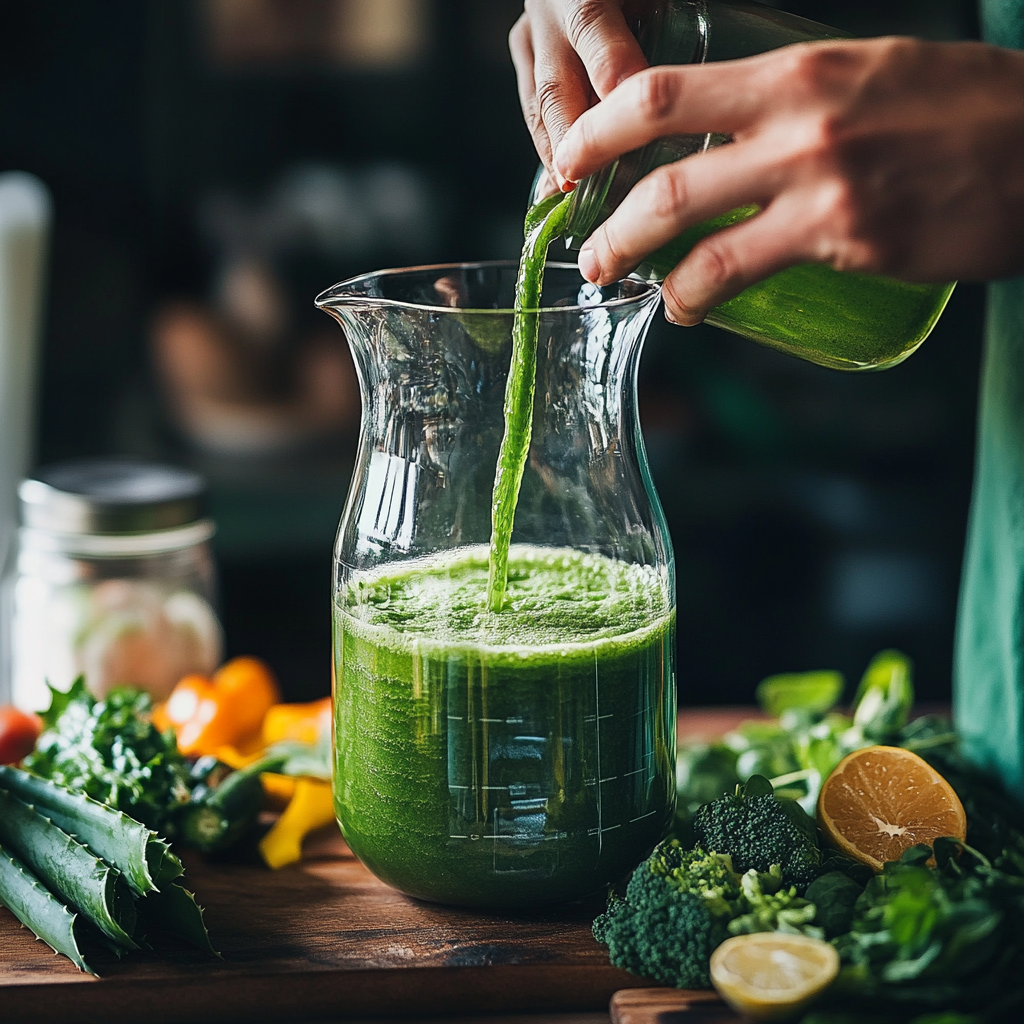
(18,734)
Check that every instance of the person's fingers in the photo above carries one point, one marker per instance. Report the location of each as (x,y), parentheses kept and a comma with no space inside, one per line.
(561,86)
(598,32)
(692,99)
(520,44)
(724,264)
(671,199)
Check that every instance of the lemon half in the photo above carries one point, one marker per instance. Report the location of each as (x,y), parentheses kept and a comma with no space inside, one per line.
(769,976)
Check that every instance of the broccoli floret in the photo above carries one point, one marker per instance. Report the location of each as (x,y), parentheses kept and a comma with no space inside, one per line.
(759,830)
(674,914)
(773,908)
(681,904)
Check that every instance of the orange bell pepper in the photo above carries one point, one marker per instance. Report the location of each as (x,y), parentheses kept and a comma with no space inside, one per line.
(225,711)
(302,722)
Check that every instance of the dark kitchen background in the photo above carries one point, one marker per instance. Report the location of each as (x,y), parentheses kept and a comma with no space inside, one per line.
(215,163)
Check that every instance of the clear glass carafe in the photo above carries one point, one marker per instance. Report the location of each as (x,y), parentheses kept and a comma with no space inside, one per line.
(520,757)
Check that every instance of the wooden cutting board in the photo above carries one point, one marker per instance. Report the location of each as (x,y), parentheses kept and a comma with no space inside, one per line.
(323,939)
(669,1006)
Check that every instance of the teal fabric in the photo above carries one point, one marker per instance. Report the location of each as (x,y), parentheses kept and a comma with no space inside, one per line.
(988,679)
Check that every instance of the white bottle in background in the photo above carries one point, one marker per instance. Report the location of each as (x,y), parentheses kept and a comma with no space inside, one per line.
(25,215)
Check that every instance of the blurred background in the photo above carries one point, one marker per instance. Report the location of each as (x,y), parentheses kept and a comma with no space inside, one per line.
(216,163)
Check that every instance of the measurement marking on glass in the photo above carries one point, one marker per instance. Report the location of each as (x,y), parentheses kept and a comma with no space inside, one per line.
(635,771)
(609,778)
(642,816)
(501,720)
(596,718)
(455,718)
(597,715)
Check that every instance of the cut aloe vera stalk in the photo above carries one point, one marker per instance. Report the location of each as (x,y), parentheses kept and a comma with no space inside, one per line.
(68,869)
(175,910)
(124,843)
(38,910)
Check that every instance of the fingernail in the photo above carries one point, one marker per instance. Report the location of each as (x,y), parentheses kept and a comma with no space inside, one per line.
(685,319)
(589,266)
(564,183)
(558,160)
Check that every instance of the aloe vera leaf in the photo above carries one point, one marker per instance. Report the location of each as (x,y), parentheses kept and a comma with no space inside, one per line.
(174,909)
(38,910)
(121,841)
(163,864)
(69,870)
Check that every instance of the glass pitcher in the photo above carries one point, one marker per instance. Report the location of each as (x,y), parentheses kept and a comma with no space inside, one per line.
(845,321)
(521,757)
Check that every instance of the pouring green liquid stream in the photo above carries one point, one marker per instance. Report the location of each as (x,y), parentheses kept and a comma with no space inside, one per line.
(543,224)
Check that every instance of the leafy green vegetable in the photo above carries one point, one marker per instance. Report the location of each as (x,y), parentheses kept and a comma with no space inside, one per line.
(37,909)
(835,894)
(111,751)
(945,937)
(69,870)
(758,830)
(808,738)
(884,697)
(136,851)
(813,692)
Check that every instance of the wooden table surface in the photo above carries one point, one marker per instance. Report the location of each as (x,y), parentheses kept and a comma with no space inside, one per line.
(324,939)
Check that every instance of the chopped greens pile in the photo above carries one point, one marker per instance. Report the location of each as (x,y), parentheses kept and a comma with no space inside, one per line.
(936,938)
(110,750)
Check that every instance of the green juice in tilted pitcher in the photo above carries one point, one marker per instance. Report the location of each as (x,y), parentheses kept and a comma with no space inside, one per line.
(845,321)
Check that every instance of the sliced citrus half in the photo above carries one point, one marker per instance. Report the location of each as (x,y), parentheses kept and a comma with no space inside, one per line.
(880,801)
(769,976)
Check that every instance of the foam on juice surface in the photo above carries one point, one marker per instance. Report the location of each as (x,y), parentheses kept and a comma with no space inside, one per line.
(556,598)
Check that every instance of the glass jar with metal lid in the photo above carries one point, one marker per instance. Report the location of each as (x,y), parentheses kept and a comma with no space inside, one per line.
(115,579)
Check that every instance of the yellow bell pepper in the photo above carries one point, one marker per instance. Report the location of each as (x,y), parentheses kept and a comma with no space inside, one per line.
(278,789)
(310,808)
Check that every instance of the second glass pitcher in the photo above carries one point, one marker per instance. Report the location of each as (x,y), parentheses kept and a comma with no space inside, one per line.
(845,321)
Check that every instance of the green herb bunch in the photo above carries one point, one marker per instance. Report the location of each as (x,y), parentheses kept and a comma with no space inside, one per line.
(110,750)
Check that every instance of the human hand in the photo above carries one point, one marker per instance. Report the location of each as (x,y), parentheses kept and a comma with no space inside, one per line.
(886,156)
(566,52)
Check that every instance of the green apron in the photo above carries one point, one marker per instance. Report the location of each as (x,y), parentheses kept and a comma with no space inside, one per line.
(988,674)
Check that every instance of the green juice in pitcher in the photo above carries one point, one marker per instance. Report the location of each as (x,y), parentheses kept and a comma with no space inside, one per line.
(509,759)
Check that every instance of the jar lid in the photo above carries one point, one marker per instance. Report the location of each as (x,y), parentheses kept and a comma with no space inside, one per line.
(111,496)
